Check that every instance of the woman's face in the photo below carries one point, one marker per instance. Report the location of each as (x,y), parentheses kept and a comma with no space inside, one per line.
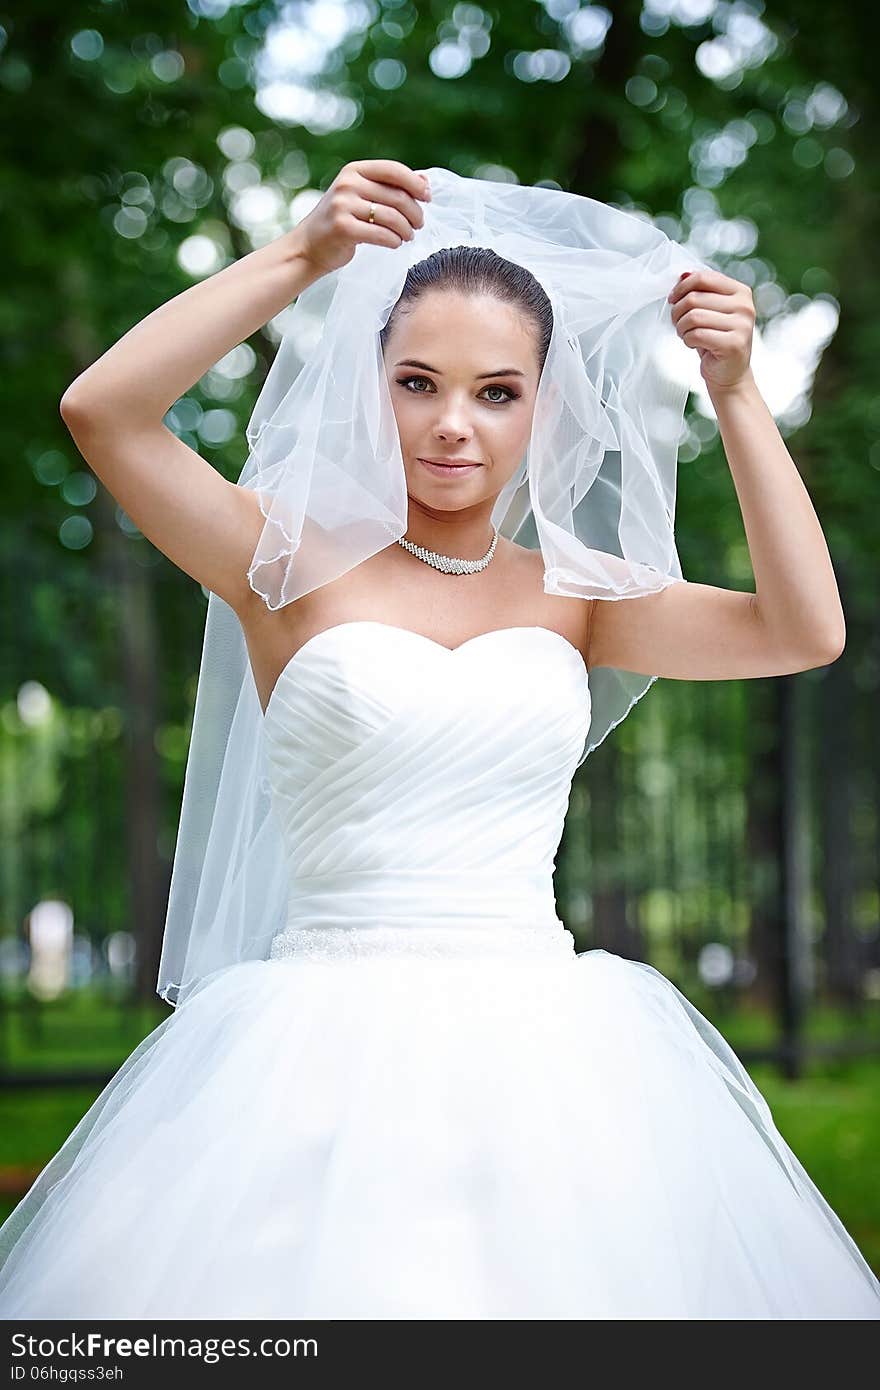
(463,376)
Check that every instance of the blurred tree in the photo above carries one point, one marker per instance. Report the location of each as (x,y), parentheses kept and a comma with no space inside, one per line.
(161,143)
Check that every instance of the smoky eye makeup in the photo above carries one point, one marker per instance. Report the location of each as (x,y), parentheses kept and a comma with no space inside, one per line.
(510,393)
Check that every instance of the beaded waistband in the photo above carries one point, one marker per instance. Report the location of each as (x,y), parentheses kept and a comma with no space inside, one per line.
(330,942)
(422,911)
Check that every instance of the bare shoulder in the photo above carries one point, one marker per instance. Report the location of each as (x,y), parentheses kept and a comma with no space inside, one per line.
(531,561)
(565,614)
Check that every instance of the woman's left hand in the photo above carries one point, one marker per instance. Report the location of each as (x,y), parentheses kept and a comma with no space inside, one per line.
(716,315)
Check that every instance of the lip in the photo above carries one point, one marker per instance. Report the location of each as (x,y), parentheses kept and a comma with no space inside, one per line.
(449,468)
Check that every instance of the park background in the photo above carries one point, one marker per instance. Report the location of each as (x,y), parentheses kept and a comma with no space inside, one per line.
(728,832)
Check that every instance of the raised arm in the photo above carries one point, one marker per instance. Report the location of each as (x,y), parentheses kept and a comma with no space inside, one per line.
(114,410)
(794,619)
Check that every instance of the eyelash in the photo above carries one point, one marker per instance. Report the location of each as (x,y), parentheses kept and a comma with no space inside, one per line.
(511,394)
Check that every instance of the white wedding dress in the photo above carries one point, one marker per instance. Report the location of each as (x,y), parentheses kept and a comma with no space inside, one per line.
(425,1104)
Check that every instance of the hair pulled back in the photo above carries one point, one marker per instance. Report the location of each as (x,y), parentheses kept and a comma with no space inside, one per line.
(478,270)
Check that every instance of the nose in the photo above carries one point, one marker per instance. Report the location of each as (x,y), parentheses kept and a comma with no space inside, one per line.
(451,426)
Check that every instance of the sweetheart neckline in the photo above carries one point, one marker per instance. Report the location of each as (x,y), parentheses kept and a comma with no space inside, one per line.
(411,632)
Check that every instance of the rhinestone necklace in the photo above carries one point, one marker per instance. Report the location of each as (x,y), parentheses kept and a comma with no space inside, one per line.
(450,564)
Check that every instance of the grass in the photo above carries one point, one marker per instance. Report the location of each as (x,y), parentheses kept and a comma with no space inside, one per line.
(831,1119)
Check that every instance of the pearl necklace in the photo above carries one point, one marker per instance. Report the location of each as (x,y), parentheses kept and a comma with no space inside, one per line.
(450,564)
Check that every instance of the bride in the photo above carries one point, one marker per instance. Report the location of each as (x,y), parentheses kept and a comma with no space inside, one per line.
(390,1088)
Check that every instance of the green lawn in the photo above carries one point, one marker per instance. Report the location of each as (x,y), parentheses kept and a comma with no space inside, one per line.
(831,1117)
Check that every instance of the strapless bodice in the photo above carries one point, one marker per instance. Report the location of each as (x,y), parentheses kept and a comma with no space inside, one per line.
(420,786)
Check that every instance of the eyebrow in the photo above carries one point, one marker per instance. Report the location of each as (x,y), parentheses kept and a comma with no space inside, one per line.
(502,371)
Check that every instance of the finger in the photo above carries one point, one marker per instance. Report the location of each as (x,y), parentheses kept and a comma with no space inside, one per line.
(376,235)
(375,192)
(384,216)
(712,338)
(393,172)
(686,303)
(710,318)
(704,280)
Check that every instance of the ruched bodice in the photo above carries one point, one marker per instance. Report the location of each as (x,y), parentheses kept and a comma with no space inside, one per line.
(420,785)
(542,1133)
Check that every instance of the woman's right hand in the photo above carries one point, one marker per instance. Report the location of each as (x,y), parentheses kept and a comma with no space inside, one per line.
(328,237)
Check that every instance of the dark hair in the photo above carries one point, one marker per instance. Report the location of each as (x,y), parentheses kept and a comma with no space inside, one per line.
(478,270)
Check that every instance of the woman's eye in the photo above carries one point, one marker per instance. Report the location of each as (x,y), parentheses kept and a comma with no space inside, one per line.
(414,383)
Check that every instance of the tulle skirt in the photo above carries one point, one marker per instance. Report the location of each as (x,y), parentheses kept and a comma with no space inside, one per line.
(395,1137)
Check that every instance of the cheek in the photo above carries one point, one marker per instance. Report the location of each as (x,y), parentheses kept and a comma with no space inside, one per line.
(515,428)
(403,414)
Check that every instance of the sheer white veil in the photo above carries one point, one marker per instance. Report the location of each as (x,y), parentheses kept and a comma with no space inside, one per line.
(595,492)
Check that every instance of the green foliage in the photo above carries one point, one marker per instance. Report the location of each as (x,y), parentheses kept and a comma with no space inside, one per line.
(831,1119)
(769,163)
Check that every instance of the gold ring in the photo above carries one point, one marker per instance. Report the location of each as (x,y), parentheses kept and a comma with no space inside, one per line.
(372,216)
